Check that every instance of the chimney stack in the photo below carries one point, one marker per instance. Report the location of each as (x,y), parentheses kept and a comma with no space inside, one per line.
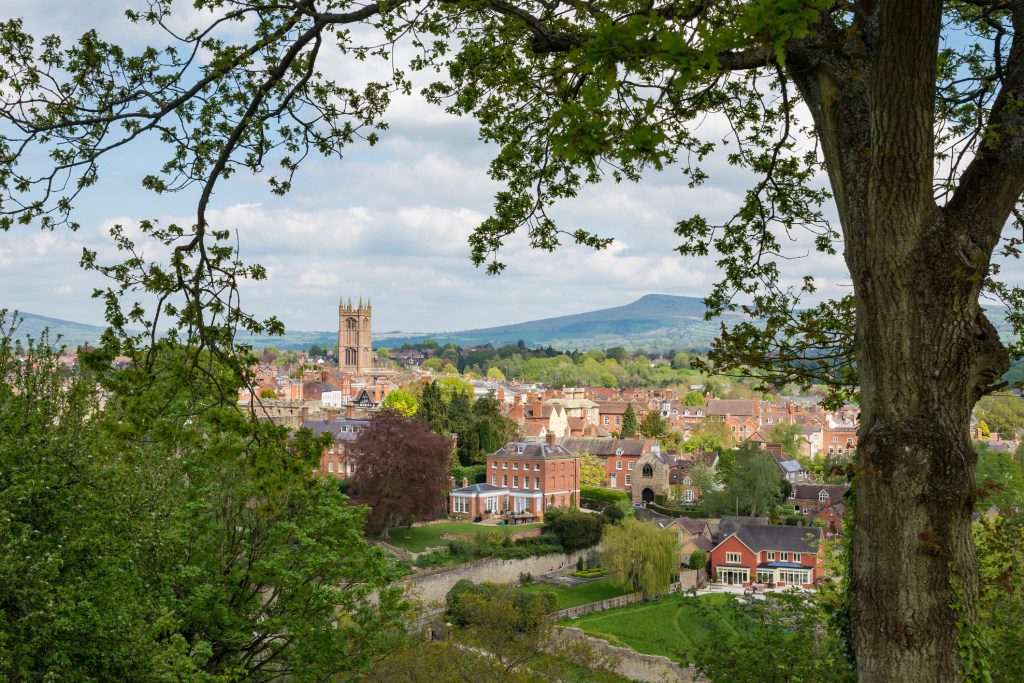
(465,482)
(550,438)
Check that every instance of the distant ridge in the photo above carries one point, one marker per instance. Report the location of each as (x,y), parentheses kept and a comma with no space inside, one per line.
(71,333)
(654,321)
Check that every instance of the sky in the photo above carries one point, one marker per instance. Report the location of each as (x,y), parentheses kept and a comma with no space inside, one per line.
(388,222)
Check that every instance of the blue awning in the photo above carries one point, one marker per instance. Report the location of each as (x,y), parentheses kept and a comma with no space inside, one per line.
(783,565)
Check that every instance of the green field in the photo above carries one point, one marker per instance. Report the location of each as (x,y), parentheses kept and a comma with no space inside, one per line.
(664,627)
(581,594)
(419,538)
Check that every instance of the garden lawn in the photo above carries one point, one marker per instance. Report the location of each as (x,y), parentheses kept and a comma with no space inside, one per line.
(418,538)
(581,594)
(664,627)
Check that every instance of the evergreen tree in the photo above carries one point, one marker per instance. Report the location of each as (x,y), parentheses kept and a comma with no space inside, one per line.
(630,425)
(653,425)
(462,422)
(434,410)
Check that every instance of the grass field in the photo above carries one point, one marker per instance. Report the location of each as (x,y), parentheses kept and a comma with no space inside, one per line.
(419,538)
(662,627)
(592,591)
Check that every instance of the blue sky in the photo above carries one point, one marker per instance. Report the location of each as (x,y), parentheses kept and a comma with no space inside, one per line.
(388,222)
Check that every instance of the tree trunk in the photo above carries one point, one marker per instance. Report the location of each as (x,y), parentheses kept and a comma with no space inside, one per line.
(913,565)
(925,350)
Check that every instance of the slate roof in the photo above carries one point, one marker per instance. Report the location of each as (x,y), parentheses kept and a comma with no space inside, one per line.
(480,488)
(730,523)
(533,450)
(606,447)
(811,491)
(798,539)
(334,427)
(703,543)
(693,525)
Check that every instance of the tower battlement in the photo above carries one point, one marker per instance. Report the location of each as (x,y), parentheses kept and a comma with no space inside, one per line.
(355,350)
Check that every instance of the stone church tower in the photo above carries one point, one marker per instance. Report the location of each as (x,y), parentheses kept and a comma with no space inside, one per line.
(355,353)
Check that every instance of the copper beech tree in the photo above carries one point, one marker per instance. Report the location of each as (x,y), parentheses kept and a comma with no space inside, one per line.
(903,115)
(401,470)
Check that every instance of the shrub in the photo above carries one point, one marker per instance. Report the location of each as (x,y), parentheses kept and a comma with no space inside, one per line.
(463,587)
(579,564)
(460,610)
(602,494)
(613,514)
(475,474)
(590,573)
(576,530)
(698,559)
(525,578)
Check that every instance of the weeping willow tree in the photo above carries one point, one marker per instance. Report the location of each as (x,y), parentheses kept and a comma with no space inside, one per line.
(640,556)
(903,115)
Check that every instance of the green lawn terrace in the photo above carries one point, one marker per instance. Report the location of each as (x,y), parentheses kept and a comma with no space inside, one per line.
(581,593)
(418,538)
(669,627)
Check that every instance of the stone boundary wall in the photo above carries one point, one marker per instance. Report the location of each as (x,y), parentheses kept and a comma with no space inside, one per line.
(430,587)
(515,535)
(599,606)
(687,580)
(633,665)
(394,550)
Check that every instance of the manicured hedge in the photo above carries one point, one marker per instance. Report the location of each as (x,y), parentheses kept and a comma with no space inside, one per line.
(676,512)
(476,474)
(602,494)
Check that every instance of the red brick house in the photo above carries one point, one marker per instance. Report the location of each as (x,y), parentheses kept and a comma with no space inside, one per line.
(611,414)
(335,460)
(779,555)
(524,478)
(617,456)
(839,440)
(821,501)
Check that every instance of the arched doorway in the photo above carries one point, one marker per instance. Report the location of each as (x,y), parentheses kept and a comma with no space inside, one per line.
(647,495)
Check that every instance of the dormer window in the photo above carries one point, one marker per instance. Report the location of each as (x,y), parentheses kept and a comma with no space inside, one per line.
(792,493)
(519,449)
(618,451)
(822,496)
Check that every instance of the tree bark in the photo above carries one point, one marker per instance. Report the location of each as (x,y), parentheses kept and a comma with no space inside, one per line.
(925,351)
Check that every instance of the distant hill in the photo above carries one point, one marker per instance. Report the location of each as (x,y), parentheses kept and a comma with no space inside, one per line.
(654,321)
(71,333)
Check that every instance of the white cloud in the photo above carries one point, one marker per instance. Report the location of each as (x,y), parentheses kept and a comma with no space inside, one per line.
(390,222)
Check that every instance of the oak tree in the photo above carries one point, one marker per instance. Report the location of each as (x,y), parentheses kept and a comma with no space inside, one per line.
(904,113)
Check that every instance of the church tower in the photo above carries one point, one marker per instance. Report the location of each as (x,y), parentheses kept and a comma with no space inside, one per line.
(355,353)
